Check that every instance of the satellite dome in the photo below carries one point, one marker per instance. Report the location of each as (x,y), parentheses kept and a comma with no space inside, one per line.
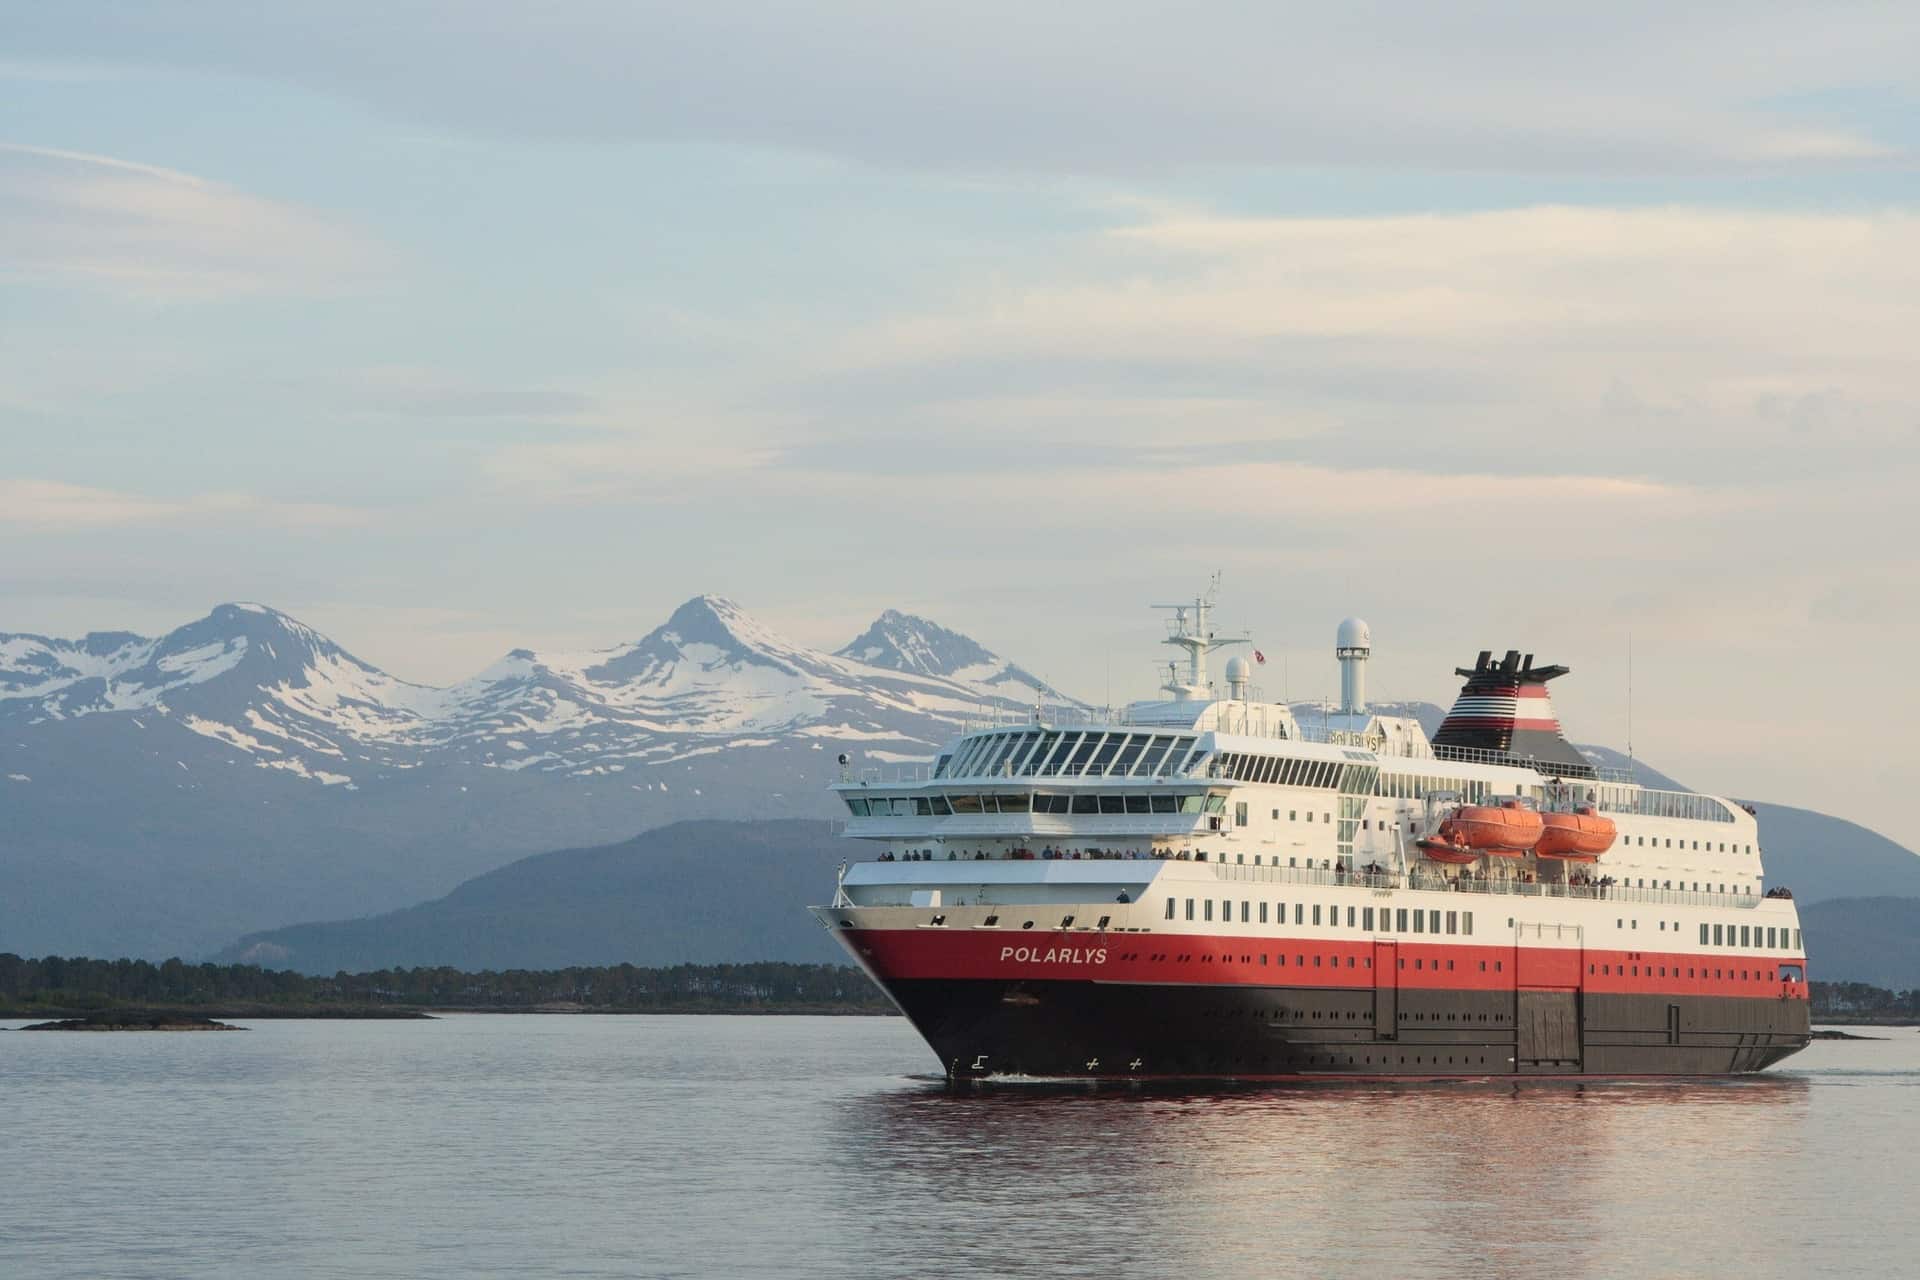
(1239,670)
(1354,634)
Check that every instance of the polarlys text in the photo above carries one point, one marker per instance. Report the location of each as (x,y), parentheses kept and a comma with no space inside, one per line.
(1055,955)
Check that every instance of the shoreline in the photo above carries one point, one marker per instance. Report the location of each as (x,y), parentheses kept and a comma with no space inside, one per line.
(428,1013)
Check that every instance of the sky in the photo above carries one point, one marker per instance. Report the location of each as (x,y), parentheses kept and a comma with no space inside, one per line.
(455,327)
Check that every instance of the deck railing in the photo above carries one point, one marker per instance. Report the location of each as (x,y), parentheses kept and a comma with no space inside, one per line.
(1516,888)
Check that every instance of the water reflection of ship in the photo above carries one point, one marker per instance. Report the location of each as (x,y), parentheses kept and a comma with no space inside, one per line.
(1329,1179)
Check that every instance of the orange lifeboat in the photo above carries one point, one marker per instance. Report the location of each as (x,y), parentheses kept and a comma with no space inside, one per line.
(1580,836)
(1441,851)
(1505,830)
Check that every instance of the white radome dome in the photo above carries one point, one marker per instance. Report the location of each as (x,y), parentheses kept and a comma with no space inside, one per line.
(1239,670)
(1354,634)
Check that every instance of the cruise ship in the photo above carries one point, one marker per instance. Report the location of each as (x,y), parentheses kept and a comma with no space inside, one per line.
(1205,887)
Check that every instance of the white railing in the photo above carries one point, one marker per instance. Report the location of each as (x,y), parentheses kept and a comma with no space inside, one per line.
(1516,888)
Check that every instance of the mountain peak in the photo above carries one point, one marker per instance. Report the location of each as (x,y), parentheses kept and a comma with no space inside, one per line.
(903,642)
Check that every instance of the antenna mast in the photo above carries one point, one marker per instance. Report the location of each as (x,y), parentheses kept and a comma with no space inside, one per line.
(1190,629)
(1630,770)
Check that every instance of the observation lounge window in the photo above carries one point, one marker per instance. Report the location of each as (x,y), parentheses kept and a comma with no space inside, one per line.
(1086,804)
(940,806)
(1104,755)
(1193,804)
(964,804)
(1113,804)
(1021,803)
(857,806)
(1082,753)
(1128,753)
(1139,804)
(1152,755)
(1165,804)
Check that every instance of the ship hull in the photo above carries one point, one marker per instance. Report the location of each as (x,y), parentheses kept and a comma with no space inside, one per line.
(1081,1030)
(1093,1006)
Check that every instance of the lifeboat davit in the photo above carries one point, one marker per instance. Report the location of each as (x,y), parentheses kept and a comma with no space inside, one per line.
(1580,836)
(1506,830)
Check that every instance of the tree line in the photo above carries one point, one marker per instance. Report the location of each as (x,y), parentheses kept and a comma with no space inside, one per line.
(1843,1000)
(79,982)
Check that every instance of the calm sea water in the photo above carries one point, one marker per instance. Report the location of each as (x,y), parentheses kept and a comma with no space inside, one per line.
(711,1146)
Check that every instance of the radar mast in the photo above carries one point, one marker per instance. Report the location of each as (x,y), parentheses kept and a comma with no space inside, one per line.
(1190,629)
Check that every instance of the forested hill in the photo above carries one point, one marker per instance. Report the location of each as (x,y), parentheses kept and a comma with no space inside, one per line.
(30,988)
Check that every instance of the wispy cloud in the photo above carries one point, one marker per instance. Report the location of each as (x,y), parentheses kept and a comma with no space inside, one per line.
(56,505)
(1124,86)
(126,226)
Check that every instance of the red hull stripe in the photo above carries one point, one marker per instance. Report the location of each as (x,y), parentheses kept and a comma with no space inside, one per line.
(1194,960)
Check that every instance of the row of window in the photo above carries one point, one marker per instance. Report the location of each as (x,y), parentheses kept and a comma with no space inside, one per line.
(1414,786)
(1662,804)
(946,805)
(1388,919)
(1770,937)
(1285,771)
(1787,972)
(1641,842)
(1075,753)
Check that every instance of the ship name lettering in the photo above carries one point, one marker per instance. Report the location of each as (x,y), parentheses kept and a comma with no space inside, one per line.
(1055,955)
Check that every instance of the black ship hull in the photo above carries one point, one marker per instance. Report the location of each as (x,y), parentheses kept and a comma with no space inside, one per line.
(1070,1029)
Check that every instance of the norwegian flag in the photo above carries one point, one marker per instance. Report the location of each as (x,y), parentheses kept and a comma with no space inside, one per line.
(1259,657)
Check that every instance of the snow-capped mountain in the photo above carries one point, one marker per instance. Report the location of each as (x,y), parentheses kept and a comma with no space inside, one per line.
(902,642)
(286,697)
(244,770)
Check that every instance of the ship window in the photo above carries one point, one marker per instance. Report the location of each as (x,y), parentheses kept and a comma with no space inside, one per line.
(1293,815)
(1129,751)
(1139,804)
(1453,921)
(1743,936)
(922,807)
(1207,904)
(1246,911)
(1016,804)
(1164,804)
(1086,804)
(1152,755)
(964,804)
(1192,804)
(1217,803)
(1240,813)
(1433,922)
(857,805)
(1466,923)
(1309,815)
(1113,804)
(1400,920)
(1082,752)
(1366,919)
(1716,935)
(1299,913)
(1189,908)
(941,808)
(1316,913)
(1349,917)
(1263,913)
(1316,962)
(1169,908)
(1419,922)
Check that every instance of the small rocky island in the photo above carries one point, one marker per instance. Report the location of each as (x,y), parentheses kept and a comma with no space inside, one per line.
(134,1020)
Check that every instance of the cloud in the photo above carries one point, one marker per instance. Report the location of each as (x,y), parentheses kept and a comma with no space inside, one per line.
(115,224)
(1125,86)
(55,505)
